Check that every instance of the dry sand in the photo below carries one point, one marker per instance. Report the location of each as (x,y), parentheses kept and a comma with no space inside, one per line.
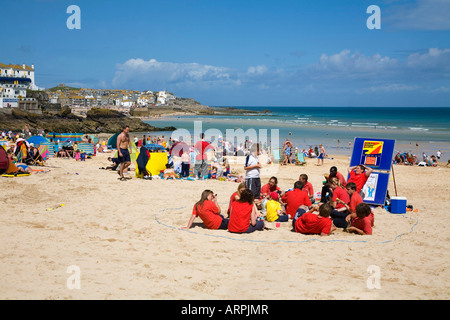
(125,237)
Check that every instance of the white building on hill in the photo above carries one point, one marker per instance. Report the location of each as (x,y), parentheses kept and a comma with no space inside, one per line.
(14,81)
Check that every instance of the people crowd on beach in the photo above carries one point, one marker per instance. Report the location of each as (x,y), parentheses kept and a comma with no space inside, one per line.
(253,205)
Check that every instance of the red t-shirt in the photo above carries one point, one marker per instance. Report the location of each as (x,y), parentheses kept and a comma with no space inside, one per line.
(364,224)
(310,223)
(295,199)
(342,194)
(232,200)
(358,179)
(341,179)
(308,188)
(202,147)
(209,213)
(240,217)
(266,189)
(354,201)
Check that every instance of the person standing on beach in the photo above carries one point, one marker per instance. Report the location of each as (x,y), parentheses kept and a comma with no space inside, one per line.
(321,155)
(123,143)
(251,167)
(201,159)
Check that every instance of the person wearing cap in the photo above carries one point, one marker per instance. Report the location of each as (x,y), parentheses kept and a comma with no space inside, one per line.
(274,209)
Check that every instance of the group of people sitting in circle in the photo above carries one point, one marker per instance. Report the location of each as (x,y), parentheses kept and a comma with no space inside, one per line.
(341,206)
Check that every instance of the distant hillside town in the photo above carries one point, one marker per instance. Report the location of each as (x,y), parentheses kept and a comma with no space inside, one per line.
(19,90)
(83,99)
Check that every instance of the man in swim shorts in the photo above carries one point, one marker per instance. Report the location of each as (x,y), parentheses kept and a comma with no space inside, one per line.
(123,143)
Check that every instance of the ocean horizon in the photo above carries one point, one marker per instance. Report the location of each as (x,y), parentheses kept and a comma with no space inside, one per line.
(334,127)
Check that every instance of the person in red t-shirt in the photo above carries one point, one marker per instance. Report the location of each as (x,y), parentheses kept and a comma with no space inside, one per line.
(307,186)
(355,199)
(201,159)
(339,193)
(359,175)
(311,223)
(334,173)
(338,202)
(363,223)
(244,215)
(235,196)
(295,198)
(207,208)
(270,187)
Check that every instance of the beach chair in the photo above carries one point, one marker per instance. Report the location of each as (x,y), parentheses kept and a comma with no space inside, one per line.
(300,159)
(88,148)
(276,156)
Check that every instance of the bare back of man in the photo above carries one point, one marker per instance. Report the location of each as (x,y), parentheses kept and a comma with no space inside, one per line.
(123,146)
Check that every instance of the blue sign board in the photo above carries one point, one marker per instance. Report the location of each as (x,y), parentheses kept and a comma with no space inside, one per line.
(376,154)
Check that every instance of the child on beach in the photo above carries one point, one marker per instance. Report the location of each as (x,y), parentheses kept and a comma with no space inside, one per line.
(311,223)
(295,198)
(185,164)
(244,217)
(77,155)
(169,173)
(208,209)
(364,221)
(274,209)
(355,200)
(321,155)
(236,196)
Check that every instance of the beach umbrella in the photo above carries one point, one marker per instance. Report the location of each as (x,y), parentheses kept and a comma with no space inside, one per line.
(154,147)
(112,141)
(178,148)
(37,140)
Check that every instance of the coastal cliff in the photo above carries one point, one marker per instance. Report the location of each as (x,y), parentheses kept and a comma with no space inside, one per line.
(96,120)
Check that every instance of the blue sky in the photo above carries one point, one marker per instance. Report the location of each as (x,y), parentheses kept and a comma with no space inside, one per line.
(261,53)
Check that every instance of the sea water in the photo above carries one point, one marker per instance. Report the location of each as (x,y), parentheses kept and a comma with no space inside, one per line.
(415,130)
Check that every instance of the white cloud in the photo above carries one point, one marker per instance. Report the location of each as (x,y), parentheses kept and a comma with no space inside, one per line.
(394,87)
(442,89)
(421,15)
(334,74)
(156,73)
(433,59)
(352,64)
(258,70)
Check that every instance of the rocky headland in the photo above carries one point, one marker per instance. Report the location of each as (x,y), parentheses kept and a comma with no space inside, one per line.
(52,117)
(97,120)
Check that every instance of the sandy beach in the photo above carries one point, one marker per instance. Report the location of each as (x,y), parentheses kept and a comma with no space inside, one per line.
(126,239)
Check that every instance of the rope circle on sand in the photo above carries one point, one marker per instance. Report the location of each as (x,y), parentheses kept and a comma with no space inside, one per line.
(283,241)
